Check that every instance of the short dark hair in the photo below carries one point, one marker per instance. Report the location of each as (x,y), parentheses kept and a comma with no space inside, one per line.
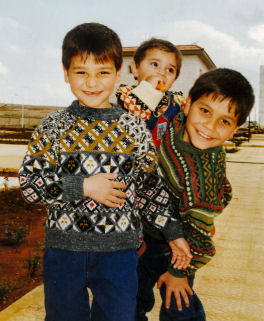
(155,43)
(226,83)
(92,38)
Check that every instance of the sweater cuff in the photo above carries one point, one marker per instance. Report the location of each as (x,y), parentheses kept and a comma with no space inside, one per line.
(73,187)
(173,231)
(149,95)
(178,273)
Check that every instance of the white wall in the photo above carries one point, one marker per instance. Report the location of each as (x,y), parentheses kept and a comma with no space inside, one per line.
(127,77)
(192,68)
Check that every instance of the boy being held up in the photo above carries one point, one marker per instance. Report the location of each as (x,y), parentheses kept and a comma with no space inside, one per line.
(156,64)
(76,162)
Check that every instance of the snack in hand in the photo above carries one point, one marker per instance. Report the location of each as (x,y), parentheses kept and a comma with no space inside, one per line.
(161,87)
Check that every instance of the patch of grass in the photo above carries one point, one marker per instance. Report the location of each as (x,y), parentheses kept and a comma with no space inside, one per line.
(5,288)
(31,264)
(15,235)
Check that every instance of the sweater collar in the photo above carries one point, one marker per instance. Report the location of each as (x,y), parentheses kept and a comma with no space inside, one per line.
(110,113)
(180,122)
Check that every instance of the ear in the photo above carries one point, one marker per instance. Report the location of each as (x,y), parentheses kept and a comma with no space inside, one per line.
(118,74)
(234,131)
(187,106)
(134,69)
(66,76)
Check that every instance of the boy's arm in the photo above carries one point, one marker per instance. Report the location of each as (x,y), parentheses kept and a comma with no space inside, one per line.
(197,229)
(142,99)
(154,99)
(44,176)
(147,94)
(152,195)
(202,249)
(198,222)
(39,177)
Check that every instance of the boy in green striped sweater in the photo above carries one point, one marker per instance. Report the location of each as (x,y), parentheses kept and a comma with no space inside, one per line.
(192,159)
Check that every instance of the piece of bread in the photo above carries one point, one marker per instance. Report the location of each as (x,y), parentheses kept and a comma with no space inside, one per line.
(162,87)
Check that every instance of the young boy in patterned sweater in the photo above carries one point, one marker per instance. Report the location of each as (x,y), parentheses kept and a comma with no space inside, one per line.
(156,64)
(88,164)
(192,160)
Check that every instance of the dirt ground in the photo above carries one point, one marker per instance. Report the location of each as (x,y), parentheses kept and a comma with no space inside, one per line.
(15,214)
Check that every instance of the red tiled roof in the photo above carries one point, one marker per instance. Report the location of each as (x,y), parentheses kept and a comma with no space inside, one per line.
(181,47)
(185,50)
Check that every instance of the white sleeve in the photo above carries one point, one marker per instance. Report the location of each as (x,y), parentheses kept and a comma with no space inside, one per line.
(148,94)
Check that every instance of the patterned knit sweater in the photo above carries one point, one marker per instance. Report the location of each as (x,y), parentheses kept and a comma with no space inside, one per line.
(78,142)
(197,180)
(166,106)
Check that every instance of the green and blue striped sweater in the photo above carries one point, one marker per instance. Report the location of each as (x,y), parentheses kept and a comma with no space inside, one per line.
(197,182)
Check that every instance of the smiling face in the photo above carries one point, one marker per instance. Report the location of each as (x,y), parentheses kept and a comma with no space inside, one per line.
(91,82)
(157,63)
(210,122)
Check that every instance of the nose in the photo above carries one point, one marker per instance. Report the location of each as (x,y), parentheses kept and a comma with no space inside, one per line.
(91,81)
(211,124)
(162,73)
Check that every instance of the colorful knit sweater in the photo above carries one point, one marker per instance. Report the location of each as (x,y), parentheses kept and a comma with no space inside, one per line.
(197,180)
(139,101)
(78,142)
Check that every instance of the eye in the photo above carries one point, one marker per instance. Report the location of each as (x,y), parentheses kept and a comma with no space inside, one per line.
(204,110)
(226,122)
(80,72)
(154,64)
(104,72)
(171,70)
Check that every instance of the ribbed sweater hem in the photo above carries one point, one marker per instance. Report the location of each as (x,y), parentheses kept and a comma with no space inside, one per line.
(92,241)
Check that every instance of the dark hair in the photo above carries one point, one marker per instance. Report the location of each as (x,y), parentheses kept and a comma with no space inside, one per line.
(161,44)
(92,38)
(226,83)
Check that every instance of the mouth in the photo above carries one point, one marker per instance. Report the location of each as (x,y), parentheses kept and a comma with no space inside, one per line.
(92,93)
(204,136)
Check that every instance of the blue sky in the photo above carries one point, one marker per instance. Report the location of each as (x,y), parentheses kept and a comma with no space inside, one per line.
(31,33)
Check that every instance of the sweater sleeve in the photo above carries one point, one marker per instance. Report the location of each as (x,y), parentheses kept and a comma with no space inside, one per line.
(199,239)
(147,94)
(152,195)
(143,99)
(198,224)
(38,175)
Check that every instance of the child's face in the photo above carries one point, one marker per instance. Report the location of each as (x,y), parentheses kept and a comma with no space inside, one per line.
(157,66)
(210,122)
(91,83)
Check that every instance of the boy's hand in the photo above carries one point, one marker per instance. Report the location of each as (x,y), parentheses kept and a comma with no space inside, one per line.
(104,189)
(178,286)
(181,254)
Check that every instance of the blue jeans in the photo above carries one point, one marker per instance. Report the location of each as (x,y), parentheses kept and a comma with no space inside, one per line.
(152,264)
(112,278)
